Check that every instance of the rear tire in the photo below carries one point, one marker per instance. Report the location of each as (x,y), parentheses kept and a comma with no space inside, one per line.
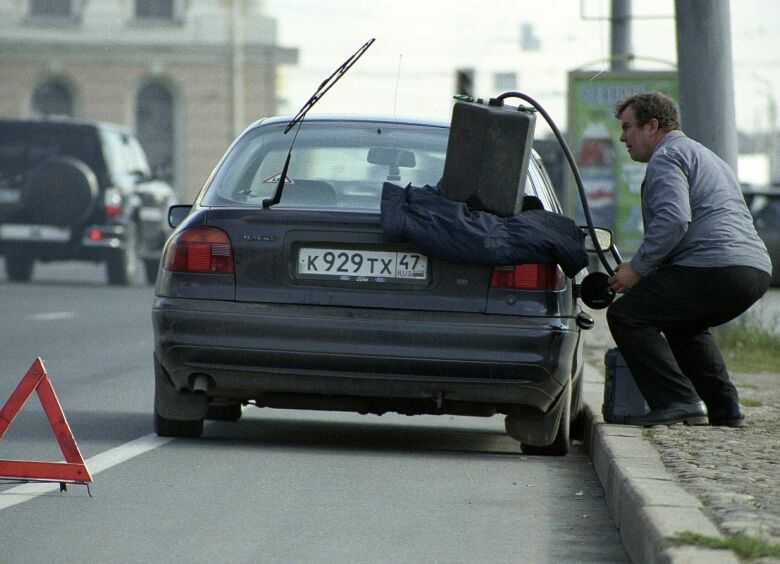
(174,428)
(187,408)
(19,268)
(560,445)
(60,191)
(150,270)
(577,428)
(122,266)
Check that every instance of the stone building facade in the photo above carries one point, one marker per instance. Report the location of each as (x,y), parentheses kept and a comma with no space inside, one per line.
(187,75)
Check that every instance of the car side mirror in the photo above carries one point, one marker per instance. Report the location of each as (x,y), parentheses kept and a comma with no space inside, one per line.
(603,238)
(177,214)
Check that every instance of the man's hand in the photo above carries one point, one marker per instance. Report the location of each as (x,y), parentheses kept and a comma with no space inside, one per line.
(624,279)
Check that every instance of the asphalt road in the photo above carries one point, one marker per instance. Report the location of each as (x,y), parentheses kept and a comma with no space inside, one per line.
(277,486)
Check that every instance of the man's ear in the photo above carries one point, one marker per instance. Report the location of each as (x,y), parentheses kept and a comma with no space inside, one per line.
(653,125)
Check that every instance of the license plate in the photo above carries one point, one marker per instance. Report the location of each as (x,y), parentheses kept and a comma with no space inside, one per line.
(351,263)
(47,233)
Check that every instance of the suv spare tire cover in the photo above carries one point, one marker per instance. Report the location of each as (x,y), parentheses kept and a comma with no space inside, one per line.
(60,191)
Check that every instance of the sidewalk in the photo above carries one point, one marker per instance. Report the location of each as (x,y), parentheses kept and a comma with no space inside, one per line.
(667,480)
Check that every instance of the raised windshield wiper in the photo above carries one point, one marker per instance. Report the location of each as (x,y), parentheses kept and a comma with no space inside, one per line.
(326,85)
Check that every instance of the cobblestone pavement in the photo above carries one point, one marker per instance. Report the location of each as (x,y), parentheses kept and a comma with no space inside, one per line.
(735,473)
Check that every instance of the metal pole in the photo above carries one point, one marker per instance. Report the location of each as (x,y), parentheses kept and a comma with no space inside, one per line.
(620,35)
(705,75)
(237,70)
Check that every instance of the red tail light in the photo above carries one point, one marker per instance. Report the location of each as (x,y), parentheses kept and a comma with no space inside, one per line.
(200,249)
(528,277)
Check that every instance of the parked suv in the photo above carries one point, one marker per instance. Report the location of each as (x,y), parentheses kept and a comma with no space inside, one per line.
(764,204)
(79,190)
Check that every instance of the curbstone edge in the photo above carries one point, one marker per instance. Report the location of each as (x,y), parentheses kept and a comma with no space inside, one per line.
(644,499)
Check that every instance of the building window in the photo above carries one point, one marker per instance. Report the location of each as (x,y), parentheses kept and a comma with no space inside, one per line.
(154,122)
(155,9)
(52,8)
(528,39)
(53,97)
(504,81)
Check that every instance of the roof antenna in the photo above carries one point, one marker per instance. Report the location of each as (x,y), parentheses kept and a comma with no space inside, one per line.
(397,81)
(326,85)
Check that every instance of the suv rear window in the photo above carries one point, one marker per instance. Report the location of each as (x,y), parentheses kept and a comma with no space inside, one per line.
(24,145)
(340,165)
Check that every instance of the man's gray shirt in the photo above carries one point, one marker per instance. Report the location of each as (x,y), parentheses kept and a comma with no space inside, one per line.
(693,212)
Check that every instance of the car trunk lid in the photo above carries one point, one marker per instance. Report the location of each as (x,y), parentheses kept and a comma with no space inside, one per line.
(322,257)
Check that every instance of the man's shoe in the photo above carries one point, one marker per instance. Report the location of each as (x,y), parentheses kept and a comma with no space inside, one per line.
(733,418)
(694,413)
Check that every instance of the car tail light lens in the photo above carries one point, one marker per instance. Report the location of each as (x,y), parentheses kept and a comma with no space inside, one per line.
(113,203)
(545,277)
(200,249)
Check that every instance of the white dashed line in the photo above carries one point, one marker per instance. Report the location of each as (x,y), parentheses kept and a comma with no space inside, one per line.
(51,316)
(95,465)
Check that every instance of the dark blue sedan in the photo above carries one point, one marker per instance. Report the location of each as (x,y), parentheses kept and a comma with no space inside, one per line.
(306,304)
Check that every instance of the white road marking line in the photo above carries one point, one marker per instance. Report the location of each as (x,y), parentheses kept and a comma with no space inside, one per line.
(51,316)
(95,465)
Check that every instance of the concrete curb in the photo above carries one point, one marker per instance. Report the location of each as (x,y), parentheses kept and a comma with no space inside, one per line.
(645,501)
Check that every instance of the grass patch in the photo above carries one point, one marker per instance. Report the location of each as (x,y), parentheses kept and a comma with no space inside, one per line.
(747,346)
(750,402)
(744,547)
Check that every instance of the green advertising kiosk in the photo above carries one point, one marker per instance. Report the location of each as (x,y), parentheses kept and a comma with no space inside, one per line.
(612,181)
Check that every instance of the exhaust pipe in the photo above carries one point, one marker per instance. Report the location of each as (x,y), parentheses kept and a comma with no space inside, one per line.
(201,383)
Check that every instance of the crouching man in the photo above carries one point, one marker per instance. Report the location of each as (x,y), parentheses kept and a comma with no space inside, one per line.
(701,263)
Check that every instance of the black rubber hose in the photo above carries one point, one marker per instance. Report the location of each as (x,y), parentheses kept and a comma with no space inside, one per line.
(499,100)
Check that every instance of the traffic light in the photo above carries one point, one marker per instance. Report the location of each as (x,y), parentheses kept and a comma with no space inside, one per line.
(464,82)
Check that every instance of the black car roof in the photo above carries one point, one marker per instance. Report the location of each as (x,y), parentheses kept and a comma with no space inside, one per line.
(64,120)
(379,118)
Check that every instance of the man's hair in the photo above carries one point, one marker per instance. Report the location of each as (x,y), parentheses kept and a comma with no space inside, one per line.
(651,105)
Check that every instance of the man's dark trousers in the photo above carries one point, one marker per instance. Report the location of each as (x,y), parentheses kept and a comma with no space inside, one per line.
(683,302)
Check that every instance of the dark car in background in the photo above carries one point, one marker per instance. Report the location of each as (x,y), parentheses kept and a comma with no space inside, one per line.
(306,304)
(764,205)
(79,190)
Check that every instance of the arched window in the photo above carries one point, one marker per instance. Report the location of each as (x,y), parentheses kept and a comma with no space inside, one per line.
(155,9)
(56,8)
(154,121)
(53,97)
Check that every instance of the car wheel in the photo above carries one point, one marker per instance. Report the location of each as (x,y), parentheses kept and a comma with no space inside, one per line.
(223,410)
(122,266)
(60,191)
(176,413)
(577,428)
(560,445)
(150,270)
(19,269)
(174,428)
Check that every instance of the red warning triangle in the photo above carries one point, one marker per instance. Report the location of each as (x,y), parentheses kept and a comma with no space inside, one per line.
(73,469)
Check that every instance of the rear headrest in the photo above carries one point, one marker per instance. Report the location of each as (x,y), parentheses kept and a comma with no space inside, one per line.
(309,193)
(532,203)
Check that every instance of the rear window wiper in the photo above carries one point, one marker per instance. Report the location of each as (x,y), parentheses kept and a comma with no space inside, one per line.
(326,85)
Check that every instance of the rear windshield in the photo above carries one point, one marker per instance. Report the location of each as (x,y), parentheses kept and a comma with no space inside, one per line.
(24,145)
(338,165)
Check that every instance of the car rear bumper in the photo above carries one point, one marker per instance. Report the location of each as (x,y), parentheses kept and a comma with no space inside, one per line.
(92,242)
(267,352)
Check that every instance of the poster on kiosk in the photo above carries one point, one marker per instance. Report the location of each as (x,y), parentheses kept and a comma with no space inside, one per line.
(612,181)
